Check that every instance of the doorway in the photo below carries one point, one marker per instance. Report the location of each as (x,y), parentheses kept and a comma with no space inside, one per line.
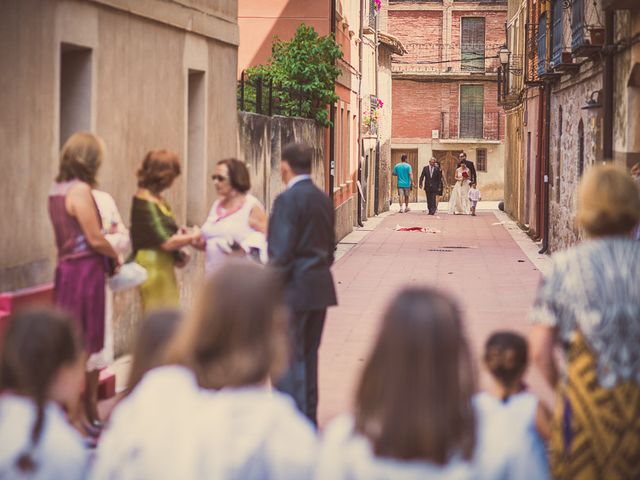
(412,159)
(448,163)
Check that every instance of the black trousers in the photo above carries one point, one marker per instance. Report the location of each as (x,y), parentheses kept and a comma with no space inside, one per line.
(301,380)
(432,205)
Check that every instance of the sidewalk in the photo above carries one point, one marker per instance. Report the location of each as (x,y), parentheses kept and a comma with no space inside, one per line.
(485,262)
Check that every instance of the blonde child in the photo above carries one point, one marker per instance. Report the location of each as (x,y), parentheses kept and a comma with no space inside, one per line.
(474,197)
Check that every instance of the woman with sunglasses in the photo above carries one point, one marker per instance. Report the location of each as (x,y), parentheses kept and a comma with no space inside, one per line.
(237,222)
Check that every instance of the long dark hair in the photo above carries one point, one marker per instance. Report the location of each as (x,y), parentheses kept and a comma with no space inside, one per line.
(36,345)
(414,398)
(505,355)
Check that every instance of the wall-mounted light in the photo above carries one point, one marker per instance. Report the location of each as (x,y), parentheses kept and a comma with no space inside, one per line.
(504,54)
(594,101)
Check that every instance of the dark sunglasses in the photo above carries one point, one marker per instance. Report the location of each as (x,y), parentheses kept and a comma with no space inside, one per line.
(219,178)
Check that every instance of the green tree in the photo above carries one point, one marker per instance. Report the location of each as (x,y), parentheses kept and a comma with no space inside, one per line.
(303,71)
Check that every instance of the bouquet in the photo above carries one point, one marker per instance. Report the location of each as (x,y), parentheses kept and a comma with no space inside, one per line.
(465,175)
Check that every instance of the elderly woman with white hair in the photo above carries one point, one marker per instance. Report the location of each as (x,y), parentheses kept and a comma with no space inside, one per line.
(589,304)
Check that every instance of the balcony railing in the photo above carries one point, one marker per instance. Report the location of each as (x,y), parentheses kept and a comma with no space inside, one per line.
(372,15)
(471,126)
(263,96)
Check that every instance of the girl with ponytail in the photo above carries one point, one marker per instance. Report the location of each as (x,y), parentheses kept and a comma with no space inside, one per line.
(512,422)
(41,376)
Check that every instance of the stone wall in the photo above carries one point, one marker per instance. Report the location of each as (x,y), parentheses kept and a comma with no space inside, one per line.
(260,141)
(570,96)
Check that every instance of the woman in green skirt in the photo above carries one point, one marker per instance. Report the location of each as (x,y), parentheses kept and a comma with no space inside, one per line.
(156,239)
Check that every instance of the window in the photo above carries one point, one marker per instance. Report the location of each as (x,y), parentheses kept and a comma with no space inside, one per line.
(472,44)
(75,90)
(471,111)
(577,23)
(542,44)
(346,157)
(556,34)
(481,159)
(372,15)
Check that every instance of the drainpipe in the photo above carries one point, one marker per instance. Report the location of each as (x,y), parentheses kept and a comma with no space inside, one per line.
(376,173)
(332,116)
(360,144)
(547,167)
(607,87)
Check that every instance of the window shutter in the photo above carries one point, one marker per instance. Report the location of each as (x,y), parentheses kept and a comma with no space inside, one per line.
(542,44)
(556,35)
(472,44)
(471,111)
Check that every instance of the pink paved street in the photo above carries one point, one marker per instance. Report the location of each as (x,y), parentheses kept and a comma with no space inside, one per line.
(473,258)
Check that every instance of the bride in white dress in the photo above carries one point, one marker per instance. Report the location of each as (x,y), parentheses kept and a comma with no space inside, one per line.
(459,200)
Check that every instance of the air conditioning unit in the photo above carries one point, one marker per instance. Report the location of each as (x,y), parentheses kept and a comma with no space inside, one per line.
(435,134)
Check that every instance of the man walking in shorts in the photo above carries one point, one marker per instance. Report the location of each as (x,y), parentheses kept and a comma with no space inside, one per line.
(405,182)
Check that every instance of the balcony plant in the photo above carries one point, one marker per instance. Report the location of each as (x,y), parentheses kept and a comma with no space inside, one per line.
(371,119)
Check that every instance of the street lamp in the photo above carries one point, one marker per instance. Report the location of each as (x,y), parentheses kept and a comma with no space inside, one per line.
(504,54)
(503,71)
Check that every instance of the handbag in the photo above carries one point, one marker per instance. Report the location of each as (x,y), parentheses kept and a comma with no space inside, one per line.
(130,275)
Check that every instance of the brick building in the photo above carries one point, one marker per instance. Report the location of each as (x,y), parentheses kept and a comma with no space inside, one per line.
(572,97)
(445,87)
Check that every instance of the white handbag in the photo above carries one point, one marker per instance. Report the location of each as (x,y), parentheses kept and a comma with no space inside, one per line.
(130,275)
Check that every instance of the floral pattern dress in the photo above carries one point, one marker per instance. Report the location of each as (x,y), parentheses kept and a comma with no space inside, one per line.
(592,298)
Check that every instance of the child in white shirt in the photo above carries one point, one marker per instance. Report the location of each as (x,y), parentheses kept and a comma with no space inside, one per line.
(42,374)
(512,423)
(474,198)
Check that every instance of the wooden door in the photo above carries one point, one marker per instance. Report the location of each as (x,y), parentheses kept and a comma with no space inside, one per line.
(412,159)
(370,168)
(448,163)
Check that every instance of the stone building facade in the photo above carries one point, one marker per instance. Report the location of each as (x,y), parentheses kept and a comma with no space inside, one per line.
(445,87)
(583,115)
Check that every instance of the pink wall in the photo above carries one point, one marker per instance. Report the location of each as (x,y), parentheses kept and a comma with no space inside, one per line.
(260,20)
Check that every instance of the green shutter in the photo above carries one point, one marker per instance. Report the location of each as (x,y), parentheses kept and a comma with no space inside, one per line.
(471,111)
(472,47)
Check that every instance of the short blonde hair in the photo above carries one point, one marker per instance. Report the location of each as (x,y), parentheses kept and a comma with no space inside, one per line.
(608,202)
(80,158)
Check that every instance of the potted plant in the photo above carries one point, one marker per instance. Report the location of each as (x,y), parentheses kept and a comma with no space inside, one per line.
(596,35)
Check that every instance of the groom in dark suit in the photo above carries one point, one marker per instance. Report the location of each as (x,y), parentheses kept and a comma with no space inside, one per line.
(432,178)
(472,168)
(301,240)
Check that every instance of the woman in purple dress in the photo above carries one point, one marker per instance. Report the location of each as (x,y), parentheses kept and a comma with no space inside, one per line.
(84,254)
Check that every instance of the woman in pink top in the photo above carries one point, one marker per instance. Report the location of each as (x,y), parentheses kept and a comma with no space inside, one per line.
(84,254)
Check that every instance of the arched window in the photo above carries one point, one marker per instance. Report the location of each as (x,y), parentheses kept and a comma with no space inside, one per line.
(580,149)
